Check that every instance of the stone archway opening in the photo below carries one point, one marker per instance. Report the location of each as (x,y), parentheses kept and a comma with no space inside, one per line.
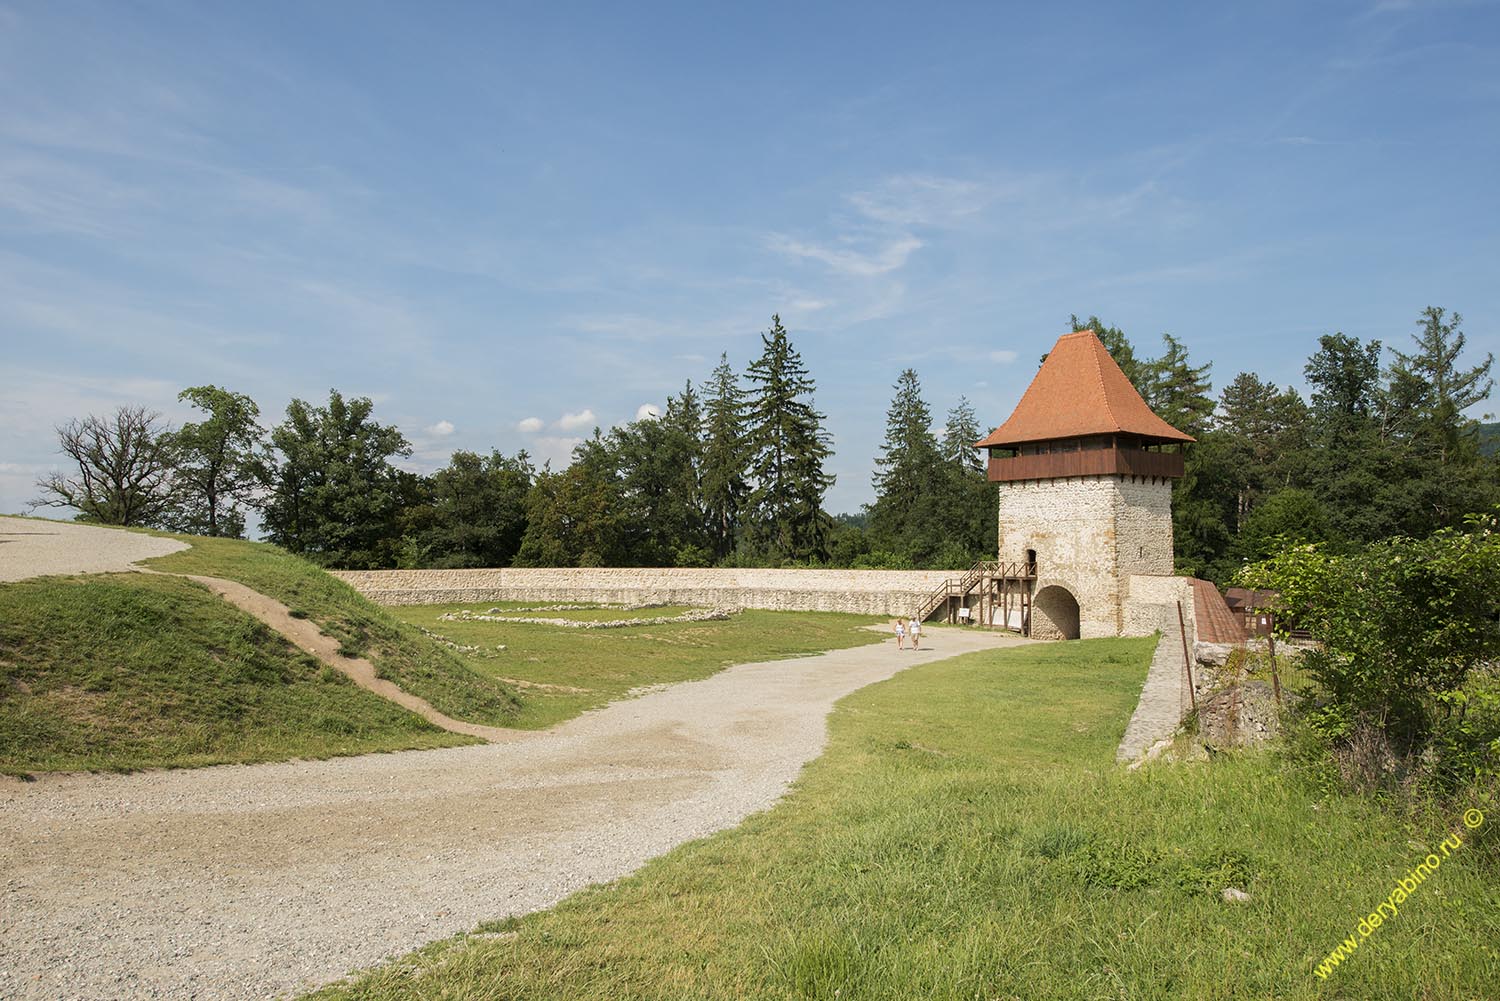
(1054,614)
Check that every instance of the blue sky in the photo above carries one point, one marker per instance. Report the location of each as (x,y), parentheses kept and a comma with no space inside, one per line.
(507,222)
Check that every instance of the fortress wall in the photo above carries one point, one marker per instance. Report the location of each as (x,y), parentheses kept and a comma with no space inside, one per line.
(865,592)
(1150,597)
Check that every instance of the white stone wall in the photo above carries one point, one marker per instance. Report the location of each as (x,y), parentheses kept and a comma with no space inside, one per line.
(1148,597)
(866,592)
(1090,533)
(1143,525)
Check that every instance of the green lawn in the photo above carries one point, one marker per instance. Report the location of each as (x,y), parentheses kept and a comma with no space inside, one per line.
(125,671)
(968,835)
(598,613)
(400,653)
(563,671)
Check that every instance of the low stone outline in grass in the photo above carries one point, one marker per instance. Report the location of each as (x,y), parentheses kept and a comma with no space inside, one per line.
(694,615)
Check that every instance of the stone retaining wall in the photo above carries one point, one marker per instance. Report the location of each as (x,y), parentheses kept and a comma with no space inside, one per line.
(866,592)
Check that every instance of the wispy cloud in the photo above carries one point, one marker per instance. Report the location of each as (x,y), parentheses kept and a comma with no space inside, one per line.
(529,425)
(888,254)
(441,429)
(920,200)
(647,412)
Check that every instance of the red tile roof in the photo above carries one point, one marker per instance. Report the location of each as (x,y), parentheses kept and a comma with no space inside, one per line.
(1216,623)
(1080,391)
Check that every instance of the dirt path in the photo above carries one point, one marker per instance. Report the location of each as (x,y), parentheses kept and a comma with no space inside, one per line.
(305,634)
(261,880)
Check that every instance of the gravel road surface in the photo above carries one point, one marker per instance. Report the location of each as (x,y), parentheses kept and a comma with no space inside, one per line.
(33,547)
(263,880)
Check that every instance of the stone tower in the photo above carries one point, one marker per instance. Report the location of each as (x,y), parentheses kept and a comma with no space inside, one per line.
(1085,472)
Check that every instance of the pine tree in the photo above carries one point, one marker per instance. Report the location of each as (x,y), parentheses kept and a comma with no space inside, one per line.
(1178,390)
(960,433)
(1430,388)
(910,486)
(787,448)
(725,458)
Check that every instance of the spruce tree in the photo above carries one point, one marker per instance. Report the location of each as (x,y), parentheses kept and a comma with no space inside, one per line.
(725,458)
(969,499)
(787,448)
(905,518)
(1433,391)
(960,432)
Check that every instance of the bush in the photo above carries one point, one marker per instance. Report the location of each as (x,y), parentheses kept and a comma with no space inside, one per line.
(1408,638)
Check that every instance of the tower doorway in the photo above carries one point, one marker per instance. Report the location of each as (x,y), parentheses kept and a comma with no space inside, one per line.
(1054,614)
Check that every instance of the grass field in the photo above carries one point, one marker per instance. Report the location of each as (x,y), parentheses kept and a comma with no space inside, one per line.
(400,653)
(968,835)
(562,672)
(596,613)
(125,671)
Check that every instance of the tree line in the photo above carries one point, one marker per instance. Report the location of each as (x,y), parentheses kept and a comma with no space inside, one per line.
(1380,448)
(734,471)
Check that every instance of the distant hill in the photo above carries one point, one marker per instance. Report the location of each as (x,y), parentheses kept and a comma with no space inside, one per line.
(1489,438)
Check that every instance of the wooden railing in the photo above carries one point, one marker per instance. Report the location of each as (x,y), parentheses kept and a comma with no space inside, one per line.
(1085,462)
(961,586)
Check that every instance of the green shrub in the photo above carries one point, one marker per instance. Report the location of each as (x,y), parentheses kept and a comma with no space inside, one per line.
(1407,636)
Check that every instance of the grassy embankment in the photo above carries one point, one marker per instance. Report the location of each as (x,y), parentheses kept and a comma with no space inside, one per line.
(123,671)
(562,672)
(968,835)
(399,652)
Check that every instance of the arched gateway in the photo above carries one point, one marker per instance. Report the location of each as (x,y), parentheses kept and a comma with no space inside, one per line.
(1054,614)
(1085,473)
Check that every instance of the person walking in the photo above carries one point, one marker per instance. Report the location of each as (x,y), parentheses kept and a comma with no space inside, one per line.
(915,629)
(900,635)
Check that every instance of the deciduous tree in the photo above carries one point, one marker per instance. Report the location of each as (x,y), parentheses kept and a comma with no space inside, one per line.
(121,469)
(220,462)
(333,494)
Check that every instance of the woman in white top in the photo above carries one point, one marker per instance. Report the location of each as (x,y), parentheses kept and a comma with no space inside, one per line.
(900,635)
(916,631)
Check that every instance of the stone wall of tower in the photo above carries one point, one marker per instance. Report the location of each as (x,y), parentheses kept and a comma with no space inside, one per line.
(1091,535)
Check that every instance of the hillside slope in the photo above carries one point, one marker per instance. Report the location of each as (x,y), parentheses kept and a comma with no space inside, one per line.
(123,671)
(400,652)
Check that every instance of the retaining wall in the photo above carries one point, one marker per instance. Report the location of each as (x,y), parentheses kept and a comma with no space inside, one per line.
(866,592)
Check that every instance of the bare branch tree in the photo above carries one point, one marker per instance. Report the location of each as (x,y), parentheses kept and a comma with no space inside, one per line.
(124,472)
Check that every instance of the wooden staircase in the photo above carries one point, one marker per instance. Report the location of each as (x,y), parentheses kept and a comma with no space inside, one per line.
(1002,586)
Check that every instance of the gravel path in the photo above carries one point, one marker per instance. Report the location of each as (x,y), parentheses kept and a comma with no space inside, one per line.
(257,881)
(32,547)
(1164,696)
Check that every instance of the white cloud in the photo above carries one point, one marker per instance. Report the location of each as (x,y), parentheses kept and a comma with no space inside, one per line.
(880,260)
(583,419)
(647,412)
(441,429)
(1003,357)
(530,425)
(554,449)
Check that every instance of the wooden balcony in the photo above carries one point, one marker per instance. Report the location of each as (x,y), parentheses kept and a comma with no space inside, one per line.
(1085,462)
